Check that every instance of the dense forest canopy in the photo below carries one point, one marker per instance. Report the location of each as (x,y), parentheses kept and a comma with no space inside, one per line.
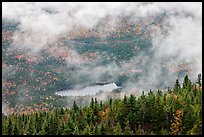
(177,111)
(149,53)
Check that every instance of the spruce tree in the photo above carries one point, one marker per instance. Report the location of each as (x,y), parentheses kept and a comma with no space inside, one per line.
(60,129)
(199,80)
(189,86)
(110,102)
(9,127)
(15,130)
(127,130)
(62,112)
(31,126)
(177,86)
(185,82)
(87,130)
(75,107)
(103,131)
(125,102)
(117,129)
(76,130)
(96,130)
(92,103)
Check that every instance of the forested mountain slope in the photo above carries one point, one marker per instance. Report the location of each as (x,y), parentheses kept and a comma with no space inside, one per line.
(177,111)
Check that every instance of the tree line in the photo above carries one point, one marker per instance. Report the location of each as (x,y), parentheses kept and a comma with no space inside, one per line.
(177,111)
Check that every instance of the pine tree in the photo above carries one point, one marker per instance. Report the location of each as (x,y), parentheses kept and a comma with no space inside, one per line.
(117,129)
(110,102)
(4,119)
(60,129)
(95,112)
(42,132)
(31,126)
(51,126)
(158,116)
(70,126)
(185,82)
(127,130)
(45,128)
(55,123)
(87,130)
(103,131)
(125,102)
(62,112)
(132,110)
(9,127)
(189,86)
(15,130)
(92,103)
(199,80)
(76,130)
(125,99)
(132,102)
(177,86)
(154,112)
(19,124)
(38,122)
(101,105)
(75,107)
(96,130)
(140,131)
(163,132)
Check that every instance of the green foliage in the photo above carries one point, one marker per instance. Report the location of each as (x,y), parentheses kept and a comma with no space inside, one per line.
(177,86)
(149,114)
(199,80)
(117,130)
(9,127)
(75,106)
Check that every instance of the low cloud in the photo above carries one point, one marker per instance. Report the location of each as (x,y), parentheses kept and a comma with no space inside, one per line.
(44,24)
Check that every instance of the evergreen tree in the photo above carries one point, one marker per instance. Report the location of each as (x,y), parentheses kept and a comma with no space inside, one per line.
(52,129)
(31,126)
(70,126)
(9,127)
(185,82)
(87,130)
(92,103)
(15,130)
(97,130)
(117,129)
(189,86)
(110,102)
(132,102)
(44,128)
(125,102)
(199,80)
(76,130)
(60,129)
(95,111)
(127,130)
(75,106)
(62,112)
(140,131)
(101,105)
(42,132)
(177,86)
(154,112)
(39,121)
(103,131)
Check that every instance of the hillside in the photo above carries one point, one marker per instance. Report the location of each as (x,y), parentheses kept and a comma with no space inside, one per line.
(177,111)
(79,59)
(102,68)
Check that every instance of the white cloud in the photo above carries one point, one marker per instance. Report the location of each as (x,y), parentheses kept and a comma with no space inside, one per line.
(38,29)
